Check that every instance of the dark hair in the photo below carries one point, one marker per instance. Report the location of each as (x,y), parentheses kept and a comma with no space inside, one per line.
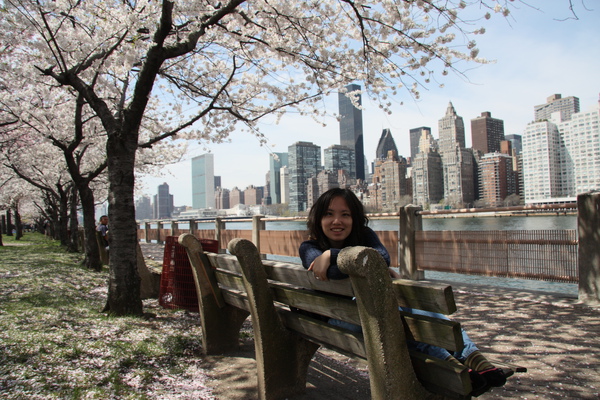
(320,208)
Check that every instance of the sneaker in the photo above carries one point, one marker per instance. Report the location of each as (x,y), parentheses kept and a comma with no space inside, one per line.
(478,384)
(495,377)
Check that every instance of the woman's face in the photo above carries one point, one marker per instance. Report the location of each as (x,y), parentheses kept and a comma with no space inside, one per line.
(337,222)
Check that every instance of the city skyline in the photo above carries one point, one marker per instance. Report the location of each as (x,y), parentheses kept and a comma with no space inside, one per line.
(537,56)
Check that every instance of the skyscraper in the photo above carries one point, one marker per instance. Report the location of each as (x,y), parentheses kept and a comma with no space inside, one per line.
(415,138)
(253,195)
(555,103)
(351,128)
(427,177)
(451,130)
(163,202)
(339,157)
(284,176)
(318,185)
(516,141)
(203,181)
(496,178)
(561,158)
(277,161)
(392,177)
(236,196)
(143,208)
(487,133)
(304,163)
(457,161)
(221,198)
(385,145)
(541,162)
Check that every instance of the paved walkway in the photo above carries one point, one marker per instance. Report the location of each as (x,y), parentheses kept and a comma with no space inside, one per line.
(554,336)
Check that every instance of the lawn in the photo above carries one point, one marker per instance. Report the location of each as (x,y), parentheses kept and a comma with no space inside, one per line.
(55,343)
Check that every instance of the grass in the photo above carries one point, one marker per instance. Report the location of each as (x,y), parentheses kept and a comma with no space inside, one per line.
(55,344)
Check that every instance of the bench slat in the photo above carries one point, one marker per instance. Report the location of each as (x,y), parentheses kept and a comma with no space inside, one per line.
(424,295)
(236,299)
(325,334)
(230,280)
(438,332)
(296,274)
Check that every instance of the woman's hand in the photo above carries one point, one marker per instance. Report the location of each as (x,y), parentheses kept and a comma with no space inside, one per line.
(320,266)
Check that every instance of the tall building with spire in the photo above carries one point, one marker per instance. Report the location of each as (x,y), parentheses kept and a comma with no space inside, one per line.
(458,162)
(451,130)
(351,127)
(385,145)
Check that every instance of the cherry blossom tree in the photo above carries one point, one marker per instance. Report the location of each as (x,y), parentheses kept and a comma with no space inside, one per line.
(197,70)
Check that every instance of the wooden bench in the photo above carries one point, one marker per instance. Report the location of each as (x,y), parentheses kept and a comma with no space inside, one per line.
(102,248)
(230,287)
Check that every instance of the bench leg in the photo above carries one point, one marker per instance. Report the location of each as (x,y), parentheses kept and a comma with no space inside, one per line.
(221,323)
(282,357)
(220,326)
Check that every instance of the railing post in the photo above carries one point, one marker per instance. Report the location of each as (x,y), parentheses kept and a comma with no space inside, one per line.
(193,227)
(410,222)
(219,228)
(147,231)
(257,225)
(588,221)
(159,226)
(174,227)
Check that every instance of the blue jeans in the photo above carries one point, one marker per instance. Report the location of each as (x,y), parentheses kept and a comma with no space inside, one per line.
(425,348)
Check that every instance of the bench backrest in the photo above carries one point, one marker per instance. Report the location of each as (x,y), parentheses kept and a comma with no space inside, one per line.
(294,286)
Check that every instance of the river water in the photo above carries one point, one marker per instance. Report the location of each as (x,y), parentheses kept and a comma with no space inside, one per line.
(475,223)
(487,223)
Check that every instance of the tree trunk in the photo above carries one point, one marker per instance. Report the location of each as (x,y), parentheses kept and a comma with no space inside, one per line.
(124,281)
(8,223)
(92,254)
(73,224)
(18,224)
(63,219)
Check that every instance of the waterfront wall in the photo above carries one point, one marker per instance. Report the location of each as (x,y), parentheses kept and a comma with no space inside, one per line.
(551,255)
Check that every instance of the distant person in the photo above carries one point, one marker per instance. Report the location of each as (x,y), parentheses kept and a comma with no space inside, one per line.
(103,229)
(338,220)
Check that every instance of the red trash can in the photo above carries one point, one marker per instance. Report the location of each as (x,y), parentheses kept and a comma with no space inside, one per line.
(177,288)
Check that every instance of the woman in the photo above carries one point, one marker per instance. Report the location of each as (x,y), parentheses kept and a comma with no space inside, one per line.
(338,220)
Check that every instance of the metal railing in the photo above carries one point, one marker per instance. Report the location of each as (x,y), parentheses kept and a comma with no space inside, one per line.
(548,255)
(551,255)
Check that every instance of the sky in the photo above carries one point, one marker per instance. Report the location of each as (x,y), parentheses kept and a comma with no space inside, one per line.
(540,50)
